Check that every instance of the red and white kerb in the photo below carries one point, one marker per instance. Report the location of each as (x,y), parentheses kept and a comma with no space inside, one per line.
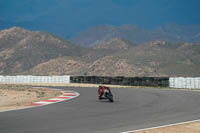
(65,96)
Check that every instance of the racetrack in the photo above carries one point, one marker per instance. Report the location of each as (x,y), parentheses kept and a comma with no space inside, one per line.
(132,109)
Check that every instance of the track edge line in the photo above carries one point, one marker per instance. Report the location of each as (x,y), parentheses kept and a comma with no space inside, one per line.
(163,126)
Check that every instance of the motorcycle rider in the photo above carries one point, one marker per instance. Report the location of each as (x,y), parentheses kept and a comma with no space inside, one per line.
(101,91)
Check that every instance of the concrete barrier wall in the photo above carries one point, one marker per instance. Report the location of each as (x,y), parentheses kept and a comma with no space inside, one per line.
(34,79)
(181,82)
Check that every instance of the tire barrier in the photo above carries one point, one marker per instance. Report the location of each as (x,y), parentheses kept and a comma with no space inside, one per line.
(129,81)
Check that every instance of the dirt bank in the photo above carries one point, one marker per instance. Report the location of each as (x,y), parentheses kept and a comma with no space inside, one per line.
(19,96)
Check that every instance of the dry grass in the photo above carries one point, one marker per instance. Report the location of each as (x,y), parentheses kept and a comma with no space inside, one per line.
(86,85)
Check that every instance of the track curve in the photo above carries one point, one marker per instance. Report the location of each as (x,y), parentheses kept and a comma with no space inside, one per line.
(132,109)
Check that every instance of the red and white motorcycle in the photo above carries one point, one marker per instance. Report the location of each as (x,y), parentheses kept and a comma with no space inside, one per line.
(105,93)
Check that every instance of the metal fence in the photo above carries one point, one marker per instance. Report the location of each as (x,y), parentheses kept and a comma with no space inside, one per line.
(34,79)
(181,82)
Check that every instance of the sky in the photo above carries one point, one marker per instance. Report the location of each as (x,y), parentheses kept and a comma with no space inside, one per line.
(73,16)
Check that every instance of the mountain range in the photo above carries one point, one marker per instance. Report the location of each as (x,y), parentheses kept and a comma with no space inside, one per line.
(21,49)
(169,32)
(41,53)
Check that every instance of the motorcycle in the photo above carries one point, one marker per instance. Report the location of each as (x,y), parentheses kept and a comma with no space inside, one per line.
(106,93)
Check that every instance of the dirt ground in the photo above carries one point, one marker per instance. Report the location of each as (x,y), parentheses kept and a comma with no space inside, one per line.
(82,85)
(18,96)
(193,127)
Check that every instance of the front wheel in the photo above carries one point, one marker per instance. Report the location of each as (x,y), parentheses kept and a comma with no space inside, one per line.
(109,97)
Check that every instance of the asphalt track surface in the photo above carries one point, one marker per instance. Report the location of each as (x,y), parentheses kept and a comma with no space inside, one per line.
(132,109)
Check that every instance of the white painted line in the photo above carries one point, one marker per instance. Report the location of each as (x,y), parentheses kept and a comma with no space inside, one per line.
(67,96)
(42,102)
(57,99)
(145,129)
(69,93)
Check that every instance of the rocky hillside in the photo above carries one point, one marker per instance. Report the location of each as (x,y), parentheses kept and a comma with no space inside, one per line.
(115,44)
(106,66)
(39,53)
(171,59)
(21,49)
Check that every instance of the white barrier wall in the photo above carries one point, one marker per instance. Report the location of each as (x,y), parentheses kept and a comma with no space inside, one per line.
(175,82)
(181,82)
(34,79)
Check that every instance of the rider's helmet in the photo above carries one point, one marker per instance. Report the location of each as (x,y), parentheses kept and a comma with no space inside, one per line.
(100,85)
